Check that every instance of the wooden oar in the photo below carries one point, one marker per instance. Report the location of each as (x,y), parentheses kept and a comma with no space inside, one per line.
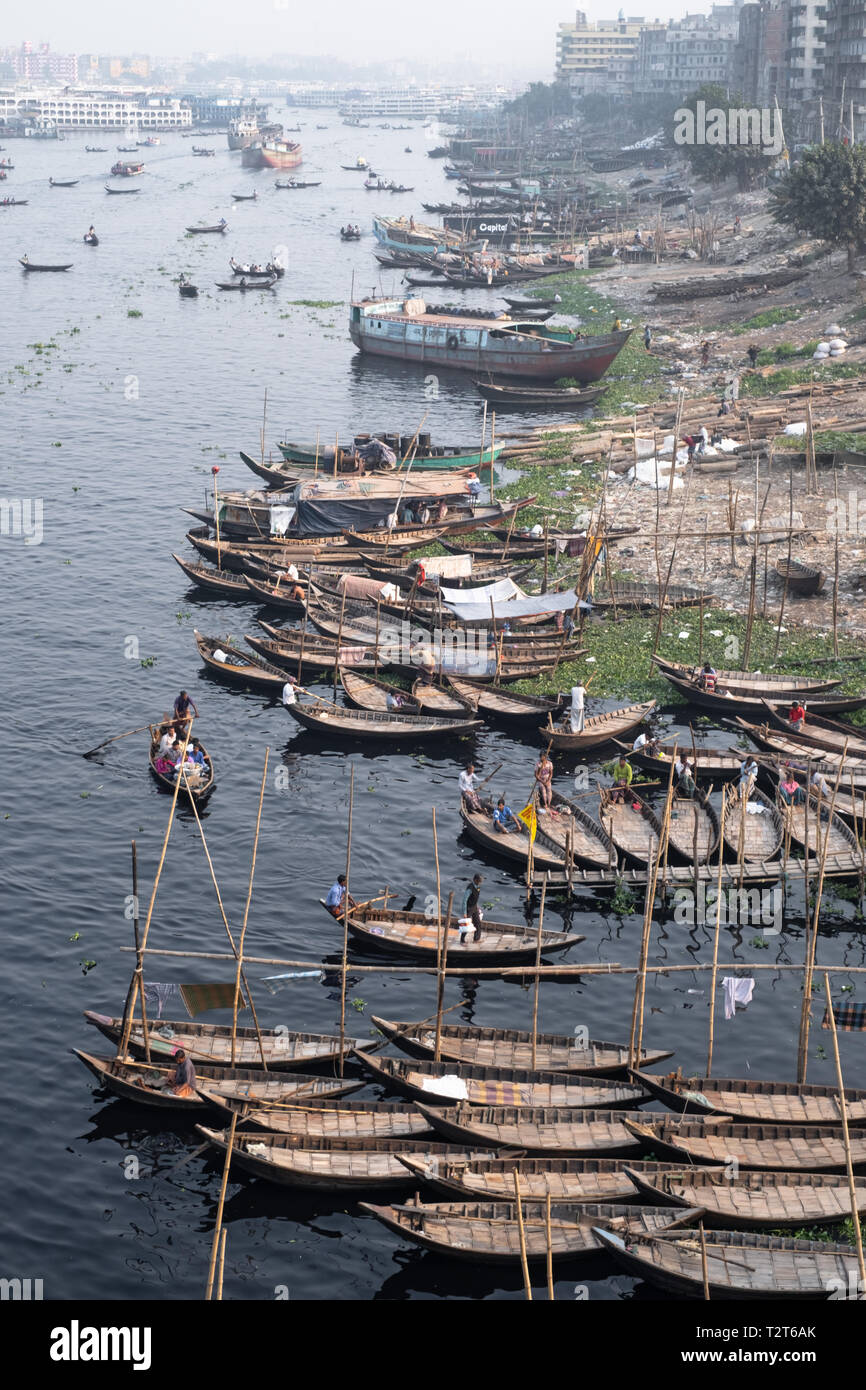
(91,751)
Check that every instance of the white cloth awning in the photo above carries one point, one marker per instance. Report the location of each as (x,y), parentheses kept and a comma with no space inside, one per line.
(501,591)
(281,519)
(516,608)
(448,566)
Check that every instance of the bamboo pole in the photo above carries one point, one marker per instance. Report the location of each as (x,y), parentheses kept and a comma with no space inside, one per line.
(220,1206)
(343,963)
(716,936)
(704,1272)
(785,581)
(537,980)
(219,1291)
(843,1111)
(443,955)
(812,944)
(247,910)
(339,643)
(316,461)
(524,1264)
(336,451)
(549,1238)
(129,992)
(492,450)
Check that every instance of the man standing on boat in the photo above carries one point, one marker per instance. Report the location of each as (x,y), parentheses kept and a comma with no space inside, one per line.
(578,695)
(182,706)
(470,904)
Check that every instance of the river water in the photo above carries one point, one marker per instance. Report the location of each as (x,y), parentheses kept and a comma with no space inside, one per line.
(117,398)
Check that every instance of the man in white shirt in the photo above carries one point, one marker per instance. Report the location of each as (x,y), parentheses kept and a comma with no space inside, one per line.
(167,743)
(578,693)
(468,785)
(288,695)
(640,742)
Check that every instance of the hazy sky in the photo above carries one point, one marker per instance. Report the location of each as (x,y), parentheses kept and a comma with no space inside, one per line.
(513,33)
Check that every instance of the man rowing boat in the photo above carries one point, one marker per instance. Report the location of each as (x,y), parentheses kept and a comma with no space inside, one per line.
(337,895)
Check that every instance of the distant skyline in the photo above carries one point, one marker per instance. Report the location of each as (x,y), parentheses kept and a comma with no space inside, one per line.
(519,39)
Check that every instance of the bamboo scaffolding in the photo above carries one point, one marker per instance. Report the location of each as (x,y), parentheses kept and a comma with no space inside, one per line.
(346,924)
(843,1111)
(240,953)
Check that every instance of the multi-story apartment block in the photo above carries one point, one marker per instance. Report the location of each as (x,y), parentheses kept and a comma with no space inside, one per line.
(599,57)
(687,53)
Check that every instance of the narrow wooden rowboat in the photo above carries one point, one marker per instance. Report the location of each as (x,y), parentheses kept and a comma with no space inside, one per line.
(274,593)
(820,732)
(371,1119)
(219,227)
(436,700)
(239,667)
(213,581)
(139,1082)
(500,704)
(486,1177)
(752,683)
(497,1085)
(28,265)
(331,1165)
(790,748)
(511,844)
(493,550)
(721,702)
(631,826)
(489,1232)
(571,1133)
(233,555)
(739,1265)
(511,1047)
(799,578)
(814,829)
(578,834)
(758,834)
(315,655)
(693,829)
(533,397)
(400,539)
(211,1043)
(747,1101)
(717,764)
(598,728)
(414,935)
(625,595)
(195,785)
(796,1200)
(339,721)
(368,693)
(806,1148)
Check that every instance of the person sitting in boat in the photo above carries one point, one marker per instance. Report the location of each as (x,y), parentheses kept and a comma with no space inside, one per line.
(182,706)
(748,772)
(25,259)
(622,772)
(504,819)
(797,716)
(338,897)
(288,692)
(197,755)
(707,678)
(818,782)
(222,222)
(790,791)
(469,790)
(164,765)
(394,701)
(639,743)
(543,784)
(180,1080)
(684,777)
(653,749)
(167,744)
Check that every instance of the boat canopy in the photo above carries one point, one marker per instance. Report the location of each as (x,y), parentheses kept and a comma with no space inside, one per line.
(501,591)
(516,607)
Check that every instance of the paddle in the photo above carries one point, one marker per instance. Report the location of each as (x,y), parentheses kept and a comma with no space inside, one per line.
(91,751)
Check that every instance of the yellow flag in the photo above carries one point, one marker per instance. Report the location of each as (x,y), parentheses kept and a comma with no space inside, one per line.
(529,818)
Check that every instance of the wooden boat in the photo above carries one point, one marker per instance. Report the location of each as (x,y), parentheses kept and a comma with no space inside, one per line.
(368,693)
(194,785)
(739,1265)
(234,1085)
(333,1165)
(339,721)
(213,581)
(492,550)
(274,594)
(598,728)
(762,832)
(537,397)
(435,700)
(500,704)
(349,236)
(29,266)
(498,1085)
(62,183)
(96,149)
(795,1200)
(644,596)
(244,285)
(90,239)
(747,1101)
(717,764)
(314,655)
(239,668)
(810,1148)
(521,302)
(244,197)
(218,227)
(840,840)
(510,1047)
(13,202)
(187,291)
(211,1043)
(820,732)
(489,1233)
(359,1119)
(693,827)
(752,684)
(512,844)
(297,183)
(724,701)
(790,748)
(109,189)
(487,1177)
(415,935)
(577,834)
(534,1130)
(799,578)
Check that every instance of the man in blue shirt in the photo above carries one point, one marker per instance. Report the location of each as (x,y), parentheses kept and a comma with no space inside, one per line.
(504,819)
(335,901)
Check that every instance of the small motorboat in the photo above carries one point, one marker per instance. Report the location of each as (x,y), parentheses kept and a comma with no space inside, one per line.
(203,153)
(350,234)
(62,183)
(127,149)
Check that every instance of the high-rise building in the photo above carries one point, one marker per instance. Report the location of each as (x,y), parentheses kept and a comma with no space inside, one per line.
(598,57)
(759,71)
(842,81)
(688,53)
